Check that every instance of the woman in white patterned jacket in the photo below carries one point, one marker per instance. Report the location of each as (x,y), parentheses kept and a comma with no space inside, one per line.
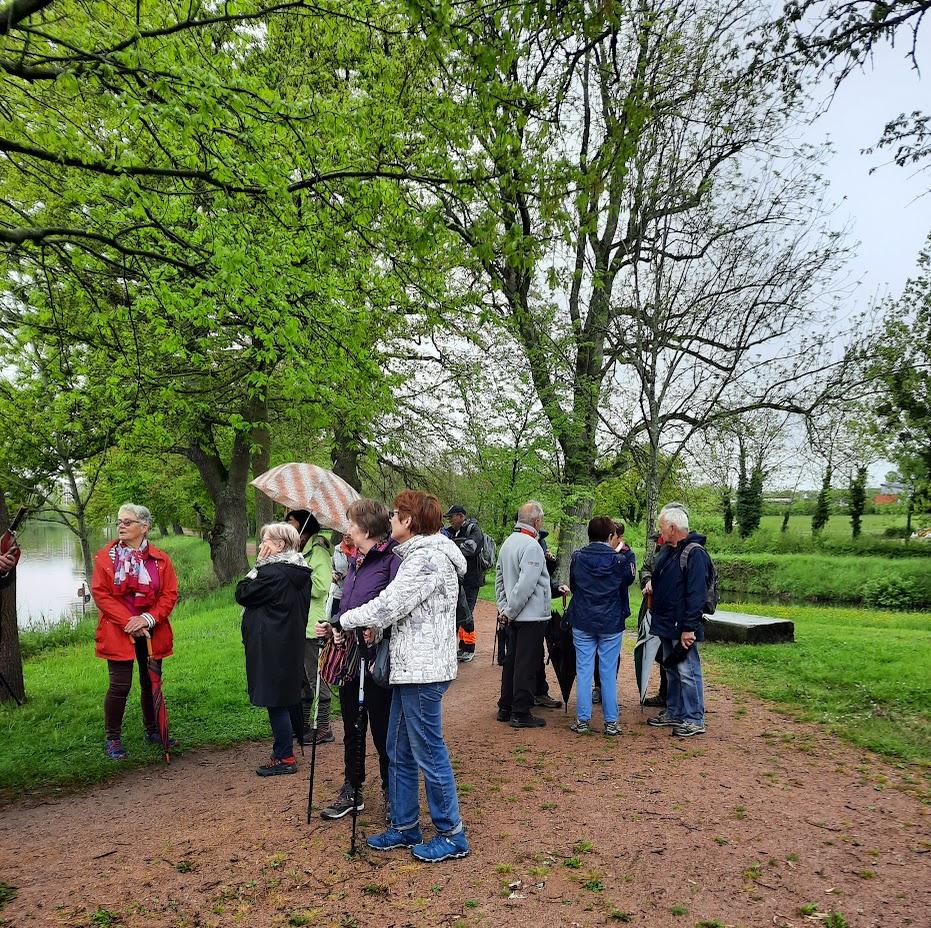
(420,604)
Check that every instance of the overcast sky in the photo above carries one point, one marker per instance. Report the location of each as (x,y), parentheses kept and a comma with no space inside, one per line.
(886,212)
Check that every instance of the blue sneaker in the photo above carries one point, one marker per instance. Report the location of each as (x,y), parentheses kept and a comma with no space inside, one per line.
(394,838)
(114,749)
(442,847)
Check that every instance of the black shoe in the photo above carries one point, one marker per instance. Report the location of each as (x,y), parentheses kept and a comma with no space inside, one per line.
(547,702)
(655,702)
(504,715)
(277,766)
(527,721)
(342,804)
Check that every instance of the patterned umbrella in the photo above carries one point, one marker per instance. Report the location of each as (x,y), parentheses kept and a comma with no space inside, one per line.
(645,649)
(158,702)
(306,486)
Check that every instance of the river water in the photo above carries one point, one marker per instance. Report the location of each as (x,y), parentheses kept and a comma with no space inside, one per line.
(49,574)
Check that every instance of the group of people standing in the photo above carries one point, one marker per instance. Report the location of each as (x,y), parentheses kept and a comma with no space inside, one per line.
(390,609)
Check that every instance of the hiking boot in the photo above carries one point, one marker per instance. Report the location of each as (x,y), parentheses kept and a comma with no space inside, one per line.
(442,847)
(324,736)
(465,656)
(613,729)
(153,737)
(654,702)
(114,749)
(342,804)
(664,719)
(547,702)
(596,695)
(393,838)
(504,715)
(580,727)
(526,721)
(687,729)
(277,766)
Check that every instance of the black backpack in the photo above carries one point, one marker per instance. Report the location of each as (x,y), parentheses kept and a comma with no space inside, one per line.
(712,596)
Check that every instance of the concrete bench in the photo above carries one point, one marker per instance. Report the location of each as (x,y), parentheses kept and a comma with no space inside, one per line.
(741,628)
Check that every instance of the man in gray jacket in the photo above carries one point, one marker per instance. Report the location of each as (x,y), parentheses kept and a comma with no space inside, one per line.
(522,590)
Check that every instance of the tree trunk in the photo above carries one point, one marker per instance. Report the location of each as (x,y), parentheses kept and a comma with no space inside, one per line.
(11,661)
(80,526)
(573,532)
(163,530)
(261,462)
(345,453)
(178,528)
(227,490)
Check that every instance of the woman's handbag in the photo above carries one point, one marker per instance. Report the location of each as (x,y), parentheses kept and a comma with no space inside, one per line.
(381,666)
(339,663)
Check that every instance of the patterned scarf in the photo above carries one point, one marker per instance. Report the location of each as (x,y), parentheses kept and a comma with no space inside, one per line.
(379,546)
(285,557)
(130,575)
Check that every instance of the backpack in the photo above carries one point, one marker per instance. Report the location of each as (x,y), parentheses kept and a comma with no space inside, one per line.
(487,553)
(712,595)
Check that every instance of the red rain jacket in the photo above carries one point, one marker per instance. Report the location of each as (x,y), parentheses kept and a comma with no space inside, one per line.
(112,642)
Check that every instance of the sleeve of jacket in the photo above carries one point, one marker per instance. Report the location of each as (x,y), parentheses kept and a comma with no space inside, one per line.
(532,565)
(470,544)
(168,595)
(629,560)
(321,572)
(500,599)
(108,604)
(696,583)
(415,581)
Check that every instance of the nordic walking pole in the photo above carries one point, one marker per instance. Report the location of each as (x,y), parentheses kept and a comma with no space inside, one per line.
(313,730)
(360,740)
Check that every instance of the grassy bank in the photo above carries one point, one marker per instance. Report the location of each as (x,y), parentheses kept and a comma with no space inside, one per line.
(821,578)
(865,674)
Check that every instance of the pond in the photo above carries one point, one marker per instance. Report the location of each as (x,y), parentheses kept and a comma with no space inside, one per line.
(49,574)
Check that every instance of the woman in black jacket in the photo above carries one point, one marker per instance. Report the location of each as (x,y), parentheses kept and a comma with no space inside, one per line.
(275,596)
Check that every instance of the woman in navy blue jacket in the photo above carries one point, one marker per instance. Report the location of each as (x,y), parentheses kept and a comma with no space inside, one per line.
(599,578)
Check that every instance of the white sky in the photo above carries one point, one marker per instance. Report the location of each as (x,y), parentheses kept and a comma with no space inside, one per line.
(886,212)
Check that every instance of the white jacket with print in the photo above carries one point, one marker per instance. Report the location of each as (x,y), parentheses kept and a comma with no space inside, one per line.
(421,605)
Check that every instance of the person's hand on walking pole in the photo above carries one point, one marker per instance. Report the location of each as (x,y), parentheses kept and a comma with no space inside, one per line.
(687,639)
(323,629)
(368,634)
(136,625)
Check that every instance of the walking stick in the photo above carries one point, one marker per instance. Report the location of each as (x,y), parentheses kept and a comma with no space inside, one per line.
(360,741)
(494,644)
(313,730)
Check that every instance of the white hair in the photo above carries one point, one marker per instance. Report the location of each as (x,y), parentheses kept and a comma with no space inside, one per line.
(283,532)
(530,512)
(140,513)
(675,516)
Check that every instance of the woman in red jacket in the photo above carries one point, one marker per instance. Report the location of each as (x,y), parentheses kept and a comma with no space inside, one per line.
(135,588)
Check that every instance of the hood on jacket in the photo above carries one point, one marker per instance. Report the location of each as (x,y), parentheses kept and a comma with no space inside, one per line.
(599,559)
(434,542)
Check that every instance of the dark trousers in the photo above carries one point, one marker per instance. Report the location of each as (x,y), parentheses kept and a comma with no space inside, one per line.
(542,687)
(375,712)
(121,679)
(521,667)
(465,630)
(280,718)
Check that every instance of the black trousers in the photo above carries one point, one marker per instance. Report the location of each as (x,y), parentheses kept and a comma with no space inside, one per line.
(521,666)
(375,711)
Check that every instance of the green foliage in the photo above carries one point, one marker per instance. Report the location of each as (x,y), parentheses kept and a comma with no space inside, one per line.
(749,508)
(892,592)
(823,505)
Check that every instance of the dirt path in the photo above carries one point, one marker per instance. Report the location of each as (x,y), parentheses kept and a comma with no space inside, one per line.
(741,827)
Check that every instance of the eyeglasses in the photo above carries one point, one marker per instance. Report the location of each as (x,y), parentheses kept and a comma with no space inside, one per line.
(128,522)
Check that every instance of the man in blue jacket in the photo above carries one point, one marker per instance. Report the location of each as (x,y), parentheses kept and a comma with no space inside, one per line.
(679,585)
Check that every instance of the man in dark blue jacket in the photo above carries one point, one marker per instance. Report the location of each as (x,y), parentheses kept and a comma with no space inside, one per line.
(679,585)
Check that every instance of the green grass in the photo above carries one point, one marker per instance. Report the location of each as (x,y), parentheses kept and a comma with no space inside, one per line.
(865,674)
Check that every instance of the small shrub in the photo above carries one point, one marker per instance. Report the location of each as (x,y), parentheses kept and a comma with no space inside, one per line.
(679,910)
(593,885)
(808,909)
(471,903)
(835,920)
(618,916)
(105,918)
(573,863)
(7,893)
(891,592)
(375,889)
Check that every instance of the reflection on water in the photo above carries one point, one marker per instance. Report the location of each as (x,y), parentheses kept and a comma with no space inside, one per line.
(49,574)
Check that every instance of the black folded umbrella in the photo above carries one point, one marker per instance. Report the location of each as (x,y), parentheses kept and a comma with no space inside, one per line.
(561,649)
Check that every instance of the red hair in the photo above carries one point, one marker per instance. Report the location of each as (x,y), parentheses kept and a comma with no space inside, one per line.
(425,511)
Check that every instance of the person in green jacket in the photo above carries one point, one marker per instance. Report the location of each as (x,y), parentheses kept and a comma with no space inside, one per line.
(318,552)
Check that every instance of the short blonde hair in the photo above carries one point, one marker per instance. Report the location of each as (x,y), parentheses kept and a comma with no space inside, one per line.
(281,531)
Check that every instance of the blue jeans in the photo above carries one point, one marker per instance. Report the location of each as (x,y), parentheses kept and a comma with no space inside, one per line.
(608,647)
(685,697)
(415,743)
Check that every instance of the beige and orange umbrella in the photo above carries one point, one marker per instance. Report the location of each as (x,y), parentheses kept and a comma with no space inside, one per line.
(306,486)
